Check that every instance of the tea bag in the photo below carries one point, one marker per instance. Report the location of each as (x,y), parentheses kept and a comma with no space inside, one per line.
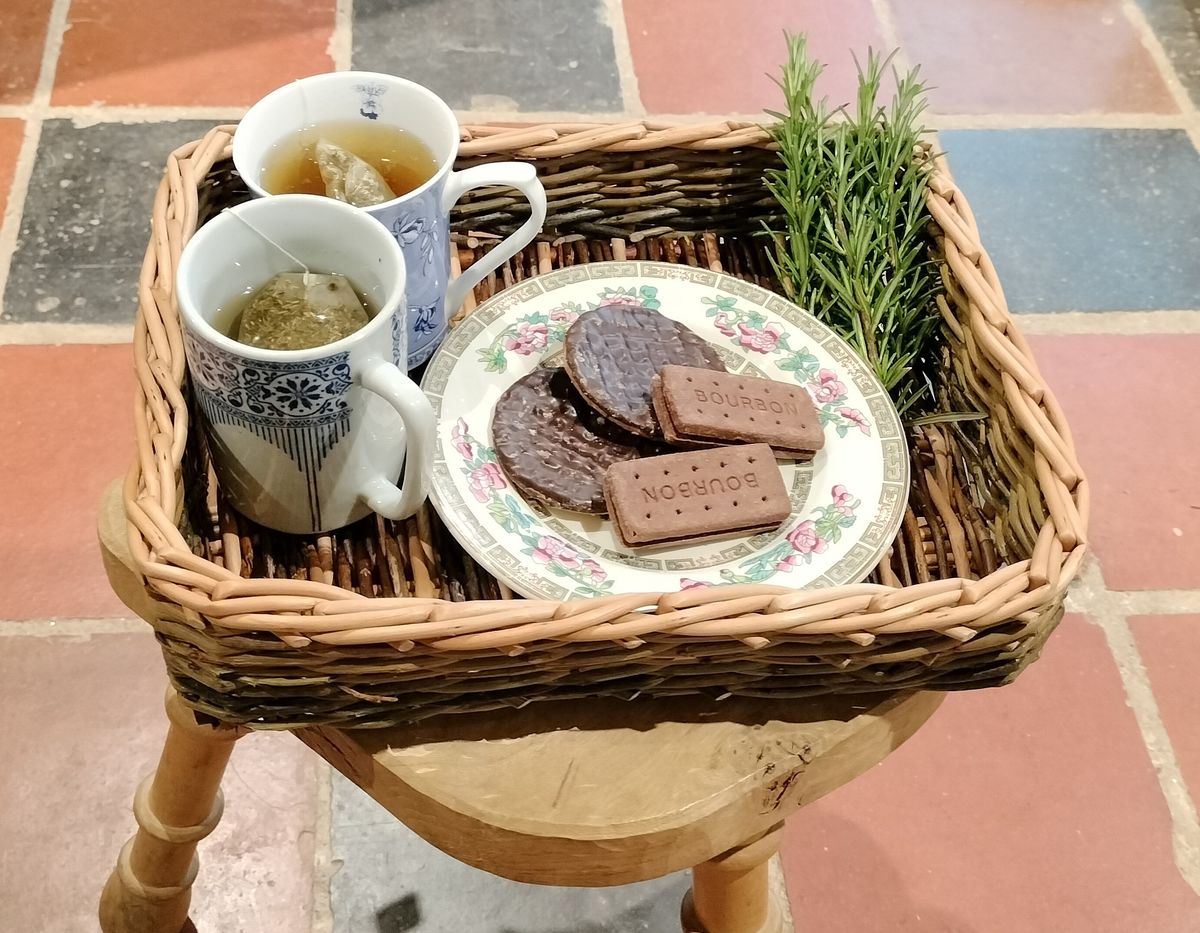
(299,310)
(349,178)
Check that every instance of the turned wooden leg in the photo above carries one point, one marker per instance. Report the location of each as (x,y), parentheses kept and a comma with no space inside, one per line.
(151,887)
(732,893)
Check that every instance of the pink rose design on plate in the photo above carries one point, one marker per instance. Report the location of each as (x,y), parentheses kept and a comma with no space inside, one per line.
(458,437)
(856,417)
(529,337)
(563,314)
(624,301)
(595,571)
(805,540)
(721,322)
(485,478)
(827,387)
(760,341)
(552,550)
(786,565)
(840,497)
(687,583)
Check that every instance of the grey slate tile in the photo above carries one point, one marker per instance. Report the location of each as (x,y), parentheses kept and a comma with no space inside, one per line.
(1085,219)
(392,881)
(1177,25)
(499,55)
(87,220)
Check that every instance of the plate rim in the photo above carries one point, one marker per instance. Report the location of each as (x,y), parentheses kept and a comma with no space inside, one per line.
(436,363)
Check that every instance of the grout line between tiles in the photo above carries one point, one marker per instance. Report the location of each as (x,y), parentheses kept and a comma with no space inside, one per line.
(341,41)
(1166,68)
(323,868)
(1109,322)
(1091,597)
(631,95)
(885,16)
(10,228)
(778,884)
(69,628)
(39,333)
(94,114)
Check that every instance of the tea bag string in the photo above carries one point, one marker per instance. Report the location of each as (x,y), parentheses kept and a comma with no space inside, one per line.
(266,239)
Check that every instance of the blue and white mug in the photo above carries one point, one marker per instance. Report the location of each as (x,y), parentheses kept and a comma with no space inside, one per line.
(305,441)
(419,220)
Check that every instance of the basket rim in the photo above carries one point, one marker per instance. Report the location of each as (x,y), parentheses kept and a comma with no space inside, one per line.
(301,612)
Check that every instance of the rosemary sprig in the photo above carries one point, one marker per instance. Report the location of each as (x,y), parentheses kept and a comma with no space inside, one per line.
(854,246)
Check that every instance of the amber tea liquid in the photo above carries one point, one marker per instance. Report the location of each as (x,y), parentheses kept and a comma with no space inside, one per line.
(400,157)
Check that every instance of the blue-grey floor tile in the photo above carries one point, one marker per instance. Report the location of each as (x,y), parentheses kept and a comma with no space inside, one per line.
(87,220)
(527,54)
(391,881)
(1177,25)
(1085,219)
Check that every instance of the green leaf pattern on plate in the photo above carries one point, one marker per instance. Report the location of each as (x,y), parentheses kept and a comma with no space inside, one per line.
(750,330)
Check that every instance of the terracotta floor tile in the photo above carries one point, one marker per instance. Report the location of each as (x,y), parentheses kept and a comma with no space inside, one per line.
(67,421)
(83,723)
(711,56)
(11,134)
(1139,454)
(1031,56)
(1031,807)
(1170,650)
(174,52)
(21,43)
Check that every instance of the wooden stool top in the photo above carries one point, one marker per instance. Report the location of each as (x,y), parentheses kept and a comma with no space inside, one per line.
(598,792)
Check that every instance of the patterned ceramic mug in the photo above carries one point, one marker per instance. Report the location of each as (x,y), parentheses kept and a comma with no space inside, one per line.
(305,441)
(419,220)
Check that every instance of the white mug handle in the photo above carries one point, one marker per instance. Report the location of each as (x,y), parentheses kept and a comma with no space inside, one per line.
(380,493)
(519,175)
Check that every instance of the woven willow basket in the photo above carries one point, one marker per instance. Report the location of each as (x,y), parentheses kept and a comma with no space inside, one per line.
(388,622)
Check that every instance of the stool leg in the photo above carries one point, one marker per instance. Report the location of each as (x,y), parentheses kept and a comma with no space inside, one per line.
(151,887)
(732,893)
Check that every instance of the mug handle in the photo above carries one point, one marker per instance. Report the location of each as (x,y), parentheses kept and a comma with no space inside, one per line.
(420,427)
(519,175)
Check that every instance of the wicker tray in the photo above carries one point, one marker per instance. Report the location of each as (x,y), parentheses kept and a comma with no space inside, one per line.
(388,622)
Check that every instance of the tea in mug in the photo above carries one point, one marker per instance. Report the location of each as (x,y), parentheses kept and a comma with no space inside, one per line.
(348,160)
(295,311)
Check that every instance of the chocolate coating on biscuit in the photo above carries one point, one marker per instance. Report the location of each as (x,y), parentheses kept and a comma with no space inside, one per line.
(613,353)
(553,447)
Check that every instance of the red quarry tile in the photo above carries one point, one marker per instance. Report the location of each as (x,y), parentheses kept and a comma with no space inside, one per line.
(1031,807)
(1170,650)
(83,724)
(22,40)
(1031,56)
(164,52)
(711,56)
(11,134)
(1125,399)
(67,420)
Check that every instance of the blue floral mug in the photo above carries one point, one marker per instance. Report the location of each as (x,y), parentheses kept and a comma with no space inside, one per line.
(305,441)
(419,220)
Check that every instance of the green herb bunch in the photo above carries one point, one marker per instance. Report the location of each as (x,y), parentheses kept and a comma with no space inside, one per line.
(854,249)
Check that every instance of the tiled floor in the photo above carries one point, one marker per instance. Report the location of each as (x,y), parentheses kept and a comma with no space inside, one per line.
(1065,802)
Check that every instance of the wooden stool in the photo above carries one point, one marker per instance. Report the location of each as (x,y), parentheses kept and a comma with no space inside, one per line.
(587,793)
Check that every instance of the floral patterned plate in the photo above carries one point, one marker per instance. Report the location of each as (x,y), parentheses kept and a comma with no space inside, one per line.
(846,505)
